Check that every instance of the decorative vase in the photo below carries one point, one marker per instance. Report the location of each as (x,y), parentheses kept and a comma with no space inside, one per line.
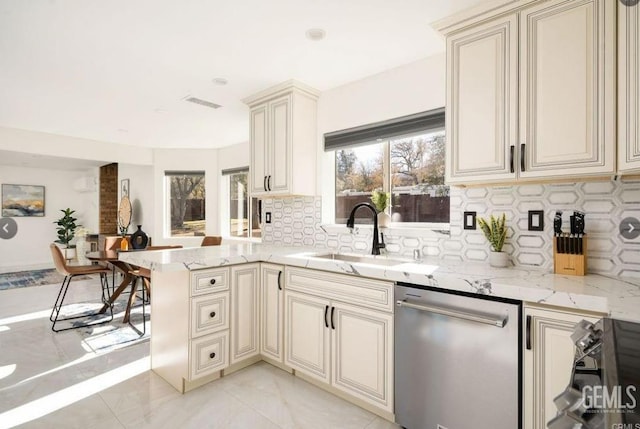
(139,239)
(499,259)
(81,251)
(124,244)
(384,220)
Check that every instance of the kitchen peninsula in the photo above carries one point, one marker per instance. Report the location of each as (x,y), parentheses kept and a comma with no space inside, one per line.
(219,309)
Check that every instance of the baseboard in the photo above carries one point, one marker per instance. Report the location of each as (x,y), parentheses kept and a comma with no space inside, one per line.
(339,393)
(17,268)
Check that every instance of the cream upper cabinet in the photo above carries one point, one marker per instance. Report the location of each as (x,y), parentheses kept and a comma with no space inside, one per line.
(245,282)
(271,311)
(628,88)
(531,94)
(283,140)
(481,121)
(259,149)
(548,361)
(567,92)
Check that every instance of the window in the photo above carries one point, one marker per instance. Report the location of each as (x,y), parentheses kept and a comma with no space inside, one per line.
(408,165)
(186,197)
(242,211)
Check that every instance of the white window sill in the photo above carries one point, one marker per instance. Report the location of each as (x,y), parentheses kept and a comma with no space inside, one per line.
(226,240)
(422,230)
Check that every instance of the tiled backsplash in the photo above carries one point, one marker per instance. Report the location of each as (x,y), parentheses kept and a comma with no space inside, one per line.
(296,221)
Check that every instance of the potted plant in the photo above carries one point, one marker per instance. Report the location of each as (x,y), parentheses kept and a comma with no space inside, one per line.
(495,230)
(66,230)
(382,201)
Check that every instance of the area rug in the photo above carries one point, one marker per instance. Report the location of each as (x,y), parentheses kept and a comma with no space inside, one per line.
(33,278)
(116,334)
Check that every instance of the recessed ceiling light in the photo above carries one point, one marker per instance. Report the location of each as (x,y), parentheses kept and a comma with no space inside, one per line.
(220,81)
(160,110)
(122,130)
(315,34)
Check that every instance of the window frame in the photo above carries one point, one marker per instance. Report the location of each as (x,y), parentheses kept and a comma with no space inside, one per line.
(167,232)
(386,180)
(225,218)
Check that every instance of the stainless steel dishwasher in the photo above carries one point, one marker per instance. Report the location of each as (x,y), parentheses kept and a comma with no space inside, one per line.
(457,360)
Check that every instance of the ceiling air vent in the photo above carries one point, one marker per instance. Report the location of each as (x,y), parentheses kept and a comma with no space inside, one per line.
(202,102)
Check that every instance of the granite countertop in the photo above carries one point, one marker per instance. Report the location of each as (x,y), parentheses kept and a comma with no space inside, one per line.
(617,296)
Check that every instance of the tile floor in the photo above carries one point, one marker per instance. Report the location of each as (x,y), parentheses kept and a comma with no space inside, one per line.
(50,380)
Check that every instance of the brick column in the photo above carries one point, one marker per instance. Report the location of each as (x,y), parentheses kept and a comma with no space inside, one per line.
(109,199)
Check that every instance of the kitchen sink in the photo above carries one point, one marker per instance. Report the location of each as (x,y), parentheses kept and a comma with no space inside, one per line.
(363,259)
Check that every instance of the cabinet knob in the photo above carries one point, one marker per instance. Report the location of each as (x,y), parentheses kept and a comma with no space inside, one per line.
(212,355)
(212,281)
(212,314)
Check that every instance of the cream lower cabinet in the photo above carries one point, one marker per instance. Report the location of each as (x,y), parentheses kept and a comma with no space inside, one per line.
(190,341)
(271,311)
(548,359)
(349,347)
(245,281)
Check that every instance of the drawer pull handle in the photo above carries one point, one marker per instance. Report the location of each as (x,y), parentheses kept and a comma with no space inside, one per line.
(212,281)
(212,314)
(212,355)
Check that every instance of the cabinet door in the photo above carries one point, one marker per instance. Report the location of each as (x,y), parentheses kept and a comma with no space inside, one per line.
(362,360)
(279,172)
(259,149)
(244,312)
(567,88)
(307,335)
(482,102)
(628,88)
(547,363)
(271,311)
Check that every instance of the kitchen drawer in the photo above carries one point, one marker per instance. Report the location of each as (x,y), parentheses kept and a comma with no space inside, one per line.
(209,313)
(360,291)
(209,281)
(209,354)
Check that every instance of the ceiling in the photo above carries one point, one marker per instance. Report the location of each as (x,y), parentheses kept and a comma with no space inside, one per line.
(118,70)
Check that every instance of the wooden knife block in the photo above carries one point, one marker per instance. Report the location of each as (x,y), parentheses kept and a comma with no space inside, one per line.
(567,263)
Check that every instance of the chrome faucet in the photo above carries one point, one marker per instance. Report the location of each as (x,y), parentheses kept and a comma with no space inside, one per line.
(378,242)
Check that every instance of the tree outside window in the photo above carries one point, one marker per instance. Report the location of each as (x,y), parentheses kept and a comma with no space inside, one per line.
(186,203)
(411,168)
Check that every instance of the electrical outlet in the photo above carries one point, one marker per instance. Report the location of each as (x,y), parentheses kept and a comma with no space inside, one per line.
(267,217)
(469,220)
(536,220)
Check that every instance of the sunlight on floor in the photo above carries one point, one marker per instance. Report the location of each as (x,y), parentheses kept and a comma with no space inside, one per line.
(4,328)
(84,358)
(67,396)
(25,317)
(7,370)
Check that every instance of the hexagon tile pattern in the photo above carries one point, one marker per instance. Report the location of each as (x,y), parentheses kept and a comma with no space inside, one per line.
(296,221)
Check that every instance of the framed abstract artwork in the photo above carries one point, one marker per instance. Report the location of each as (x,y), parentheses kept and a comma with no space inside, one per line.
(22,200)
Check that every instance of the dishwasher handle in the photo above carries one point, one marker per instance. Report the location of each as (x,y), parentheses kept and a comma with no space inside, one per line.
(498,321)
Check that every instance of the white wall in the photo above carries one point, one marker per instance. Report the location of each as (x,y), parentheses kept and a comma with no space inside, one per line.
(29,249)
(184,159)
(72,147)
(404,90)
(141,194)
